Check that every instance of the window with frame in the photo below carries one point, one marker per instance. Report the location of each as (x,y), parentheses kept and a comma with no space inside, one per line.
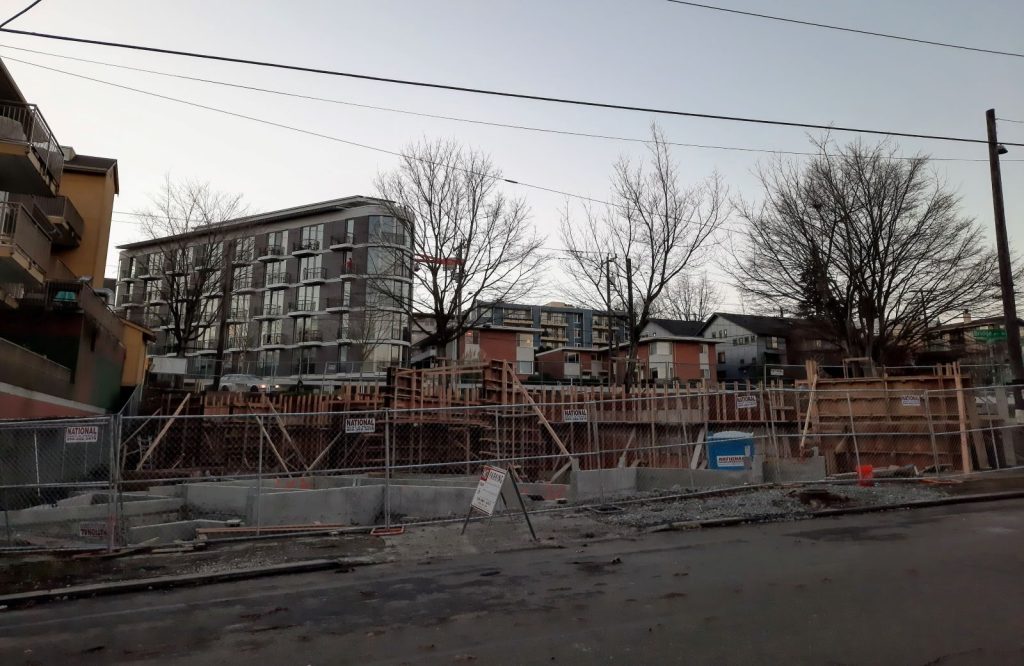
(524,367)
(245,248)
(312,237)
(343,326)
(240,304)
(524,340)
(207,338)
(306,362)
(267,362)
(270,332)
(209,310)
(311,267)
(273,302)
(238,335)
(386,229)
(276,272)
(721,357)
(572,357)
(308,298)
(276,240)
(662,348)
(241,277)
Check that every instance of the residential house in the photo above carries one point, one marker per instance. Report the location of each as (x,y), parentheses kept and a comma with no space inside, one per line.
(979,345)
(572,364)
(316,293)
(514,344)
(63,352)
(756,347)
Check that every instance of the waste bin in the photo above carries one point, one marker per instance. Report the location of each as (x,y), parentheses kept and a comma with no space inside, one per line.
(730,450)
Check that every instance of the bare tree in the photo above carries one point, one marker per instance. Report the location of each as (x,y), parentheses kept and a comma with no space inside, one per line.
(472,244)
(689,298)
(870,247)
(661,227)
(191,265)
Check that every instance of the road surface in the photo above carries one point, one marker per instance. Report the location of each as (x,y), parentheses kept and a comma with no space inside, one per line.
(937,586)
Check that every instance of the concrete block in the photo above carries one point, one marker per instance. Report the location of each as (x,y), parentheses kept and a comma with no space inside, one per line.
(217,499)
(182,530)
(423,502)
(598,483)
(787,470)
(667,478)
(350,506)
(548,491)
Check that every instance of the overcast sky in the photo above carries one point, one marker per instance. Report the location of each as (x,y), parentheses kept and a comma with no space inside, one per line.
(640,52)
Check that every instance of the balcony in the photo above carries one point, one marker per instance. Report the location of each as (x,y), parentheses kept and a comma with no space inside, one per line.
(206,347)
(61,213)
(244,284)
(343,241)
(271,340)
(34,372)
(305,368)
(308,336)
(337,304)
(270,253)
(305,247)
(385,238)
(280,280)
(269,311)
(31,159)
(314,274)
(303,306)
(24,245)
(239,342)
(243,257)
(238,315)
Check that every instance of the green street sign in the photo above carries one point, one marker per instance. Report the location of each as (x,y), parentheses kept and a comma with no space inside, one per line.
(990,334)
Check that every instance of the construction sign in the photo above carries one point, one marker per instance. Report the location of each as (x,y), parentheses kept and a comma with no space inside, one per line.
(496,482)
(360,425)
(81,434)
(574,415)
(746,402)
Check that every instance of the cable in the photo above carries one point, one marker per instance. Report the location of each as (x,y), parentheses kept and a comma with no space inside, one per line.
(494,93)
(21,13)
(455,118)
(853,30)
(1007,120)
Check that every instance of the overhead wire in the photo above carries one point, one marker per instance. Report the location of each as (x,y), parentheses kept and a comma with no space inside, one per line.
(858,31)
(21,13)
(494,93)
(473,121)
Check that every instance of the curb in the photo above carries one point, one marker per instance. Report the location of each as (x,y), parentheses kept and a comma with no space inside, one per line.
(12,601)
(829,513)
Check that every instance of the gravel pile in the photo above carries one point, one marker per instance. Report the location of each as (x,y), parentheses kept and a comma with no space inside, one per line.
(766,503)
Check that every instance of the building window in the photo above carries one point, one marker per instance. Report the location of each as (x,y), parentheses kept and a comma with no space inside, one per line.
(267,362)
(311,268)
(524,340)
(272,302)
(572,357)
(276,241)
(312,237)
(306,363)
(473,337)
(721,357)
(308,298)
(245,249)
(240,306)
(386,229)
(524,367)
(270,332)
(703,348)
(662,348)
(276,272)
(387,261)
(241,277)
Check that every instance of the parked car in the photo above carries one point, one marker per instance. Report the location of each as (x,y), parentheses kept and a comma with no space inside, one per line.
(250,383)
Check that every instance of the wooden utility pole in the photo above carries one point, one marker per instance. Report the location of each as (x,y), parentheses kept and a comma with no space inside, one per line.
(629,324)
(1005,268)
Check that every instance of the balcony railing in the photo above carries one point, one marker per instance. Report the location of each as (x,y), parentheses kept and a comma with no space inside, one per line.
(270,251)
(34,372)
(391,238)
(337,303)
(309,335)
(23,123)
(305,305)
(243,257)
(238,314)
(20,229)
(314,273)
(270,310)
(279,279)
(267,339)
(346,238)
(243,283)
(239,342)
(306,246)
(69,221)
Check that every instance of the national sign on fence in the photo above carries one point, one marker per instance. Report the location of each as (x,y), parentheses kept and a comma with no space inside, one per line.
(574,415)
(746,401)
(81,434)
(910,400)
(360,425)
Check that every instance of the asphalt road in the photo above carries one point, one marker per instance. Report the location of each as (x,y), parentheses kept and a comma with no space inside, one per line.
(934,586)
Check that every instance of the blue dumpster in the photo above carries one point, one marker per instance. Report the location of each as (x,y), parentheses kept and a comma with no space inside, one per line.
(730,450)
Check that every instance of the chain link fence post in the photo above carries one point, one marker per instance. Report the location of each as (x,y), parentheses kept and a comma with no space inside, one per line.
(259,477)
(853,433)
(931,430)
(114,526)
(387,468)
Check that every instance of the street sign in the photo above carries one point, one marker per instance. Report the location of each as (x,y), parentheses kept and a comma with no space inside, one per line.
(81,434)
(360,425)
(746,402)
(488,489)
(910,400)
(574,415)
(990,334)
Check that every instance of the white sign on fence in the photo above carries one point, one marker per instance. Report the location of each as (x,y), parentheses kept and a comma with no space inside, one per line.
(360,425)
(574,415)
(778,372)
(910,400)
(746,402)
(731,461)
(488,490)
(81,434)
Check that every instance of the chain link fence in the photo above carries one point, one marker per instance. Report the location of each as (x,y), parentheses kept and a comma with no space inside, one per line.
(134,479)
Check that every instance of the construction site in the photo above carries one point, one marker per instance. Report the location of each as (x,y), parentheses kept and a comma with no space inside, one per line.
(411,449)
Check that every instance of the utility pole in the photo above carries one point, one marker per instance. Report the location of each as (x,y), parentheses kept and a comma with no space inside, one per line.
(1005,269)
(608,301)
(629,323)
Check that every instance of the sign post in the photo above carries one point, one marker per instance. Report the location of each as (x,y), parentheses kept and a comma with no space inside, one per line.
(496,482)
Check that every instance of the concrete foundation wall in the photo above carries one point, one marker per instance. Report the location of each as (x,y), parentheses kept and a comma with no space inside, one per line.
(425,502)
(183,530)
(598,483)
(350,506)
(217,499)
(669,479)
(785,471)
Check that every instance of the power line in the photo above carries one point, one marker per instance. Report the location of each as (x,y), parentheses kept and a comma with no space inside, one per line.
(845,29)
(1007,120)
(21,13)
(456,118)
(493,93)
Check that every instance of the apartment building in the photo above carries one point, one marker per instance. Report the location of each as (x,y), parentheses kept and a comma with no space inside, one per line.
(759,347)
(315,293)
(63,352)
(560,325)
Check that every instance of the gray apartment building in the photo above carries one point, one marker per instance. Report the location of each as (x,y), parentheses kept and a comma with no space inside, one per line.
(560,325)
(316,293)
